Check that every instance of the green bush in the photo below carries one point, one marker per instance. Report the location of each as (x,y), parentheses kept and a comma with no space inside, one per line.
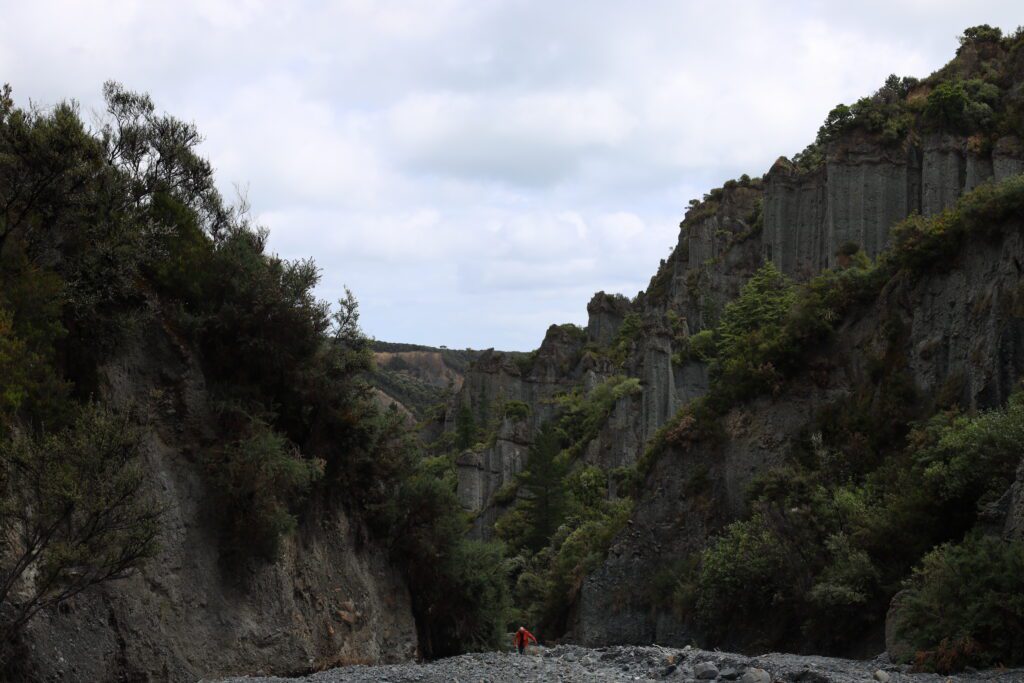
(583,415)
(627,334)
(983,33)
(459,587)
(517,410)
(745,576)
(752,343)
(885,114)
(81,505)
(965,605)
(920,244)
(261,478)
(699,346)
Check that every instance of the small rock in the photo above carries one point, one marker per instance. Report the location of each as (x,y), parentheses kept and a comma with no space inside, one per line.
(729,673)
(705,671)
(668,670)
(882,677)
(755,675)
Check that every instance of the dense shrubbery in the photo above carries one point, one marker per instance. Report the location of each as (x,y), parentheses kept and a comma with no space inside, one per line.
(459,587)
(885,114)
(262,479)
(824,540)
(965,605)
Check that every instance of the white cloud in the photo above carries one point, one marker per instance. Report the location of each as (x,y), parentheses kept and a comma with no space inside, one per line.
(475,170)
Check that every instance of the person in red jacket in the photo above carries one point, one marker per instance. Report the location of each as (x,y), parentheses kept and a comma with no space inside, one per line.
(522,638)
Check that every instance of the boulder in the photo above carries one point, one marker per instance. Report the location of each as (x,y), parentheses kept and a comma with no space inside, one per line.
(705,671)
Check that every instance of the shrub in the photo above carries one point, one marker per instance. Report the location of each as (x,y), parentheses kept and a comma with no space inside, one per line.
(983,33)
(971,457)
(699,346)
(77,512)
(965,605)
(751,338)
(627,334)
(525,361)
(920,244)
(459,587)
(517,410)
(947,107)
(744,576)
(261,477)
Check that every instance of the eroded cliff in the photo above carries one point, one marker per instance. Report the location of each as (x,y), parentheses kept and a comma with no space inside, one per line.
(332,596)
(946,335)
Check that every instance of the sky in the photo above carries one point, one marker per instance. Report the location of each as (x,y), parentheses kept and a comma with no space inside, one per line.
(474,170)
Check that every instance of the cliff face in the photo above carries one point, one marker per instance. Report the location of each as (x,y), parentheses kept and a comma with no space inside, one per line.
(957,332)
(719,248)
(331,597)
(965,340)
(863,188)
(418,378)
(492,382)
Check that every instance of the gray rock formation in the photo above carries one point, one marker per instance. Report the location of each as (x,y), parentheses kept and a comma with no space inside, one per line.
(1007,158)
(964,341)
(483,473)
(331,598)
(605,315)
(795,207)
(864,188)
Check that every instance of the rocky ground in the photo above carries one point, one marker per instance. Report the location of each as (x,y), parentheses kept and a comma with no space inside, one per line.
(571,664)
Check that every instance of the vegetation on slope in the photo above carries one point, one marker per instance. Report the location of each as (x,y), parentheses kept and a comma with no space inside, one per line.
(563,519)
(107,233)
(972,95)
(881,478)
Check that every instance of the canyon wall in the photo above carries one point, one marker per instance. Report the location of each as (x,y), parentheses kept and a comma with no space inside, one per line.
(863,188)
(331,597)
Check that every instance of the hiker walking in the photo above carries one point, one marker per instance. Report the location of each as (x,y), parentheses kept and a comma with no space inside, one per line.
(522,638)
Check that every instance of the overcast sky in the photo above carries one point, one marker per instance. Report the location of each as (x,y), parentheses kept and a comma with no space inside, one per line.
(474,170)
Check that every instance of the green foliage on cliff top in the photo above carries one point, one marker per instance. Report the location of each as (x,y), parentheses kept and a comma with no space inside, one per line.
(972,95)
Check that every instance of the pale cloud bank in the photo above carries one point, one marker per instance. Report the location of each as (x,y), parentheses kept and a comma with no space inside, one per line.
(475,170)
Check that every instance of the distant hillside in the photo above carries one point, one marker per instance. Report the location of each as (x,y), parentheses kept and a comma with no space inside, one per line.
(420,377)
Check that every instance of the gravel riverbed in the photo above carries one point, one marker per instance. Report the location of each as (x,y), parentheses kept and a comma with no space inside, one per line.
(572,664)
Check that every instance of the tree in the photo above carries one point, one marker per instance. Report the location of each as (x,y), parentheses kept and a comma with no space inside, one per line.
(75,513)
(465,427)
(543,483)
